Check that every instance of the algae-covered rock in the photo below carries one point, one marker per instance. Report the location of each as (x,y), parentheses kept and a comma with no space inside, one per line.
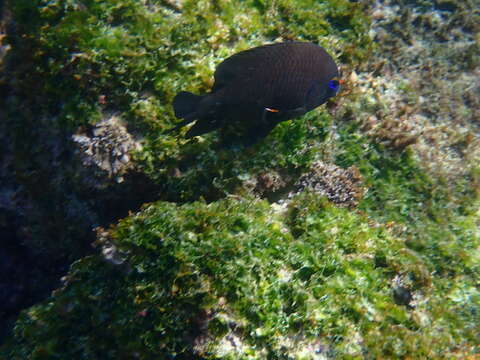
(86,94)
(236,279)
(207,269)
(93,59)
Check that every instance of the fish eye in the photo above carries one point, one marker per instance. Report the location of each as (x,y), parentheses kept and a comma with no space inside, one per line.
(334,85)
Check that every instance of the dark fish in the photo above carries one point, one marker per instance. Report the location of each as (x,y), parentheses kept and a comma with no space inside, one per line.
(261,87)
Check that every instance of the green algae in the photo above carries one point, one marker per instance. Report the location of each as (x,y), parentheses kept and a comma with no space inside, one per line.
(73,63)
(284,283)
(92,58)
(124,50)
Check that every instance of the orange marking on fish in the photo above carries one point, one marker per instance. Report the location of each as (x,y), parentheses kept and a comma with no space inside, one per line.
(272,110)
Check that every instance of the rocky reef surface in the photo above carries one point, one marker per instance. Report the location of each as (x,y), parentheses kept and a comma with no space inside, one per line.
(349,233)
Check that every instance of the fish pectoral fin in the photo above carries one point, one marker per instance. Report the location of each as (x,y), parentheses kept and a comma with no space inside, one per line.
(297,111)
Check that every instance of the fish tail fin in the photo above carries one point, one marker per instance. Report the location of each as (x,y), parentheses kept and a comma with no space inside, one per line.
(185,103)
(185,106)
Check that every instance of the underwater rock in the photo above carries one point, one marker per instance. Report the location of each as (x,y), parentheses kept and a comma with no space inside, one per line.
(424,82)
(341,186)
(107,147)
(402,296)
(109,251)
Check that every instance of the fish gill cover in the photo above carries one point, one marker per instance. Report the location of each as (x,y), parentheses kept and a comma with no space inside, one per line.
(350,234)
